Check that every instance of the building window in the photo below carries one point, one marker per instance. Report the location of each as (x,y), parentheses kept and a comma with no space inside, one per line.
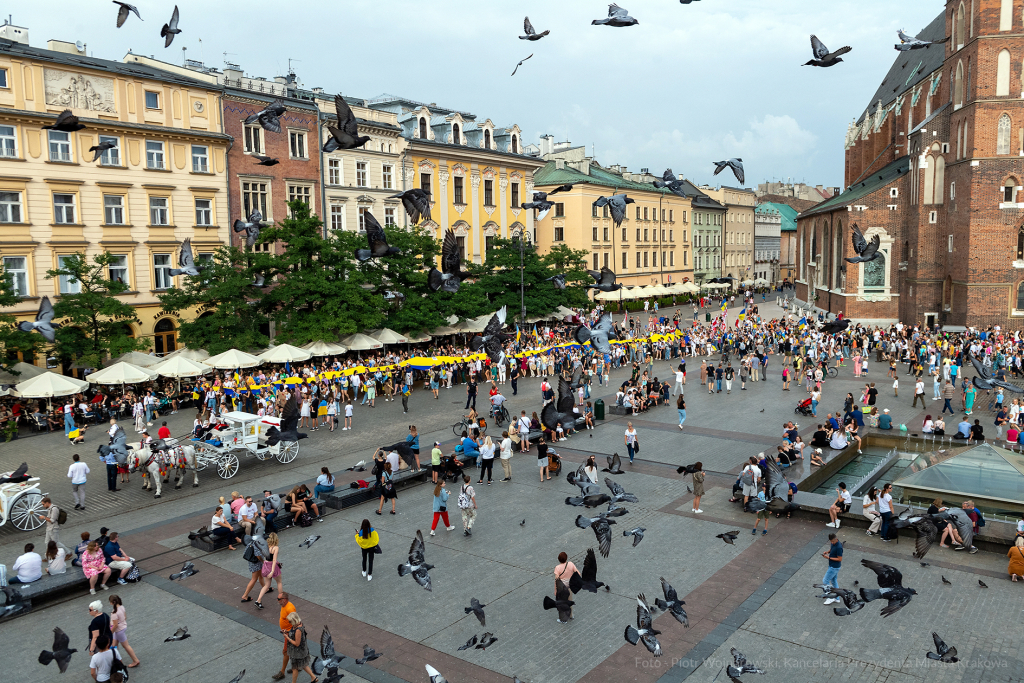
(118,269)
(16,268)
(1003,74)
(488,192)
(1006,19)
(604,211)
(388,173)
(623,234)
(461,243)
(154,155)
(654,259)
(10,207)
(337,216)
(638,259)
(8,143)
(334,172)
(425,182)
(647,236)
(389,216)
(559,234)
(645,213)
(113,209)
(638,234)
(671,258)
(457,189)
(152,100)
(670,218)
(595,233)
(64,208)
(112,156)
(515,145)
(515,195)
(298,193)
(200,159)
(596,262)
(297,144)
(1008,190)
(638,213)
(487,139)
(645,259)
(624,261)
(362,218)
(204,212)
(254,198)
(1003,135)
(253,137)
(670,237)
(488,245)
(3,78)
(162,271)
(456,134)
(60,146)
(423,129)
(158,211)
(66,283)
(606,234)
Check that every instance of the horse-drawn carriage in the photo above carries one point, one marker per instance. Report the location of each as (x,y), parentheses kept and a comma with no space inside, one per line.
(257,436)
(21,502)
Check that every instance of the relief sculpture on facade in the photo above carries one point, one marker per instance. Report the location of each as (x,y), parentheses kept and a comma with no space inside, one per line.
(77,91)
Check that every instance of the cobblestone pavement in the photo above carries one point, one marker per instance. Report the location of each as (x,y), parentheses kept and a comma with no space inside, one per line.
(754,595)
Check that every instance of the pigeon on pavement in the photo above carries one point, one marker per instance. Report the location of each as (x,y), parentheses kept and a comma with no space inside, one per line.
(618,17)
(866,251)
(469,643)
(416,202)
(476,608)
(531,34)
(417,565)
(62,650)
(377,240)
(943,653)
(435,675)
(737,168)
(451,274)
(637,533)
(369,654)
(122,15)
(327,652)
(187,570)
(729,536)
(43,324)
(239,677)
(269,117)
(945,580)
(599,335)
(672,603)
(616,205)
(346,134)
(849,599)
(824,58)
(99,149)
(251,227)
(520,64)
(170,29)
(486,640)
(310,540)
(14,603)
(982,583)
(644,628)
(588,579)
(66,122)
(186,263)
(740,666)
(181,634)
(890,588)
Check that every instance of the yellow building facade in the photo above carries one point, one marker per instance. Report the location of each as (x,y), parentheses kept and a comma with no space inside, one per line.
(738,231)
(163,180)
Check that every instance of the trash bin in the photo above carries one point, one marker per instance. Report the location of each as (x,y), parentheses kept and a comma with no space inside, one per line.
(599,409)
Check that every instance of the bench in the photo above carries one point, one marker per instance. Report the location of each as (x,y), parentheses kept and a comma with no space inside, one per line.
(53,584)
(209,543)
(339,499)
(536,434)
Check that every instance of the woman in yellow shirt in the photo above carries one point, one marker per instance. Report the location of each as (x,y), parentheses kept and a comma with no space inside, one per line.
(368,541)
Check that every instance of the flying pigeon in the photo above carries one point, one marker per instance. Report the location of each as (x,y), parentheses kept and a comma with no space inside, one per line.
(451,274)
(358,467)
(824,58)
(417,565)
(346,134)
(14,603)
(618,493)
(476,608)
(616,205)
(557,280)
(587,487)
(687,2)
(591,501)
(66,122)
(599,335)
(531,34)
(99,149)
(617,17)
(740,666)
(637,533)
(943,653)
(986,381)
(310,540)
(327,652)
(605,280)
(672,603)
(269,117)
(849,598)
(644,628)
(170,29)
(735,164)
(62,651)
(486,640)
(186,264)
(729,536)
(541,203)
(670,182)
(835,326)
(588,580)
(866,251)
(492,339)
(377,239)
(562,602)
(553,412)
(122,15)
(614,465)
(416,202)
(911,43)
(561,188)
(181,634)
(251,227)
(890,587)
(43,324)
(187,570)
(926,529)
(435,675)
(602,531)
(469,643)
(687,469)
(265,161)
(520,64)
(369,654)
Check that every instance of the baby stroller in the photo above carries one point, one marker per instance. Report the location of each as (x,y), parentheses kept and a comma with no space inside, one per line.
(554,463)
(804,407)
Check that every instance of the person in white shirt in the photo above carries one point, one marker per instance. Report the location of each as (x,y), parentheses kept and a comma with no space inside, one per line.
(247,515)
(506,456)
(395,461)
(885,509)
(348,416)
(69,416)
(590,469)
(870,510)
(842,505)
(680,378)
(753,473)
(55,559)
(29,566)
(77,474)
(523,426)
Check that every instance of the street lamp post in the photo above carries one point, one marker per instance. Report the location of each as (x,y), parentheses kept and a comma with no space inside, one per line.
(524,237)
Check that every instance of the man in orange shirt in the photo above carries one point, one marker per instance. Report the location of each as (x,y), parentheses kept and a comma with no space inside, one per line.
(286,608)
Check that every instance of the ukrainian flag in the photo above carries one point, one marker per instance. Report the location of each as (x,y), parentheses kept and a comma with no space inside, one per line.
(519,334)
(803,323)
(322,408)
(743,313)
(725,305)
(74,433)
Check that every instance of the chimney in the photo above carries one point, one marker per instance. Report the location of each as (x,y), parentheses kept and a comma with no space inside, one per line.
(560,164)
(13,33)
(66,47)
(547,144)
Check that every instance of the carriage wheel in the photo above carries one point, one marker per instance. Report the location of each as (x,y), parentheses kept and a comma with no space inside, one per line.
(25,509)
(227,466)
(289,450)
(202,461)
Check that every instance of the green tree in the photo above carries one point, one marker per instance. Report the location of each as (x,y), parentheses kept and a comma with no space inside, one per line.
(13,340)
(228,309)
(573,264)
(94,322)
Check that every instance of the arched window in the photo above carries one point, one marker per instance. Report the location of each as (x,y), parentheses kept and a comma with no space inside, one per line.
(165,337)
(515,145)
(423,129)
(1003,135)
(958,86)
(940,175)
(456,135)
(1003,73)
(966,123)
(929,180)
(960,32)
(959,139)
(487,139)
(1020,296)
(1006,16)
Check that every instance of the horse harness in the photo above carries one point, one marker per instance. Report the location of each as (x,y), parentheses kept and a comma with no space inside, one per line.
(166,459)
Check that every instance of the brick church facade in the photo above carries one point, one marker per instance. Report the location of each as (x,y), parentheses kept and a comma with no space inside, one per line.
(935,169)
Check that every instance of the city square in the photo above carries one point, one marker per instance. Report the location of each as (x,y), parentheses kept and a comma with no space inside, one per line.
(379,295)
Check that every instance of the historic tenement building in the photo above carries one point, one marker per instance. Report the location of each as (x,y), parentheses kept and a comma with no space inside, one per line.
(934,169)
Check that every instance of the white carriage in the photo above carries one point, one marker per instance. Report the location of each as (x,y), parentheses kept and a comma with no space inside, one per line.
(21,502)
(247,433)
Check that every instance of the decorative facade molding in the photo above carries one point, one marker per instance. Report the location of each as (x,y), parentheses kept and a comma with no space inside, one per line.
(459,170)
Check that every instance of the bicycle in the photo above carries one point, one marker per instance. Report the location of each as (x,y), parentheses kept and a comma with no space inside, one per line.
(500,415)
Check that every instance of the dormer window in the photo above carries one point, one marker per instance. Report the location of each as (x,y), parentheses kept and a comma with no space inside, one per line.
(423,129)
(456,137)
(515,145)
(487,139)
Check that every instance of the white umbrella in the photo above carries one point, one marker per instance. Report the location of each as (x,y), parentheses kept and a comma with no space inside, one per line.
(135,358)
(180,366)
(121,373)
(388,336)
(25,371)
(322,348)
(231,359)
(473,325)
(50,384)
(443,330)
(760,282)
(192,354)
(361,342)
(285,353)
(564,312)
(417,337)
(689,288)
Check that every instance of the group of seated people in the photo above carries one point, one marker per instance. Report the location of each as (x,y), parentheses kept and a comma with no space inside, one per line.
(637,398)
(206,430)
(832,434)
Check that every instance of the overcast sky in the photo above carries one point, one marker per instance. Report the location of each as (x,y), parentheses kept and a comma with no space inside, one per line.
(690,84)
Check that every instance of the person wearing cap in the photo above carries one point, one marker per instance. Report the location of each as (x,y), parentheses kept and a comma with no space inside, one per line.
(435,461)
(884,420)
(816,459)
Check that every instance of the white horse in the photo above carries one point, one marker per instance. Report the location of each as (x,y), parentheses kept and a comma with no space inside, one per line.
(176,458)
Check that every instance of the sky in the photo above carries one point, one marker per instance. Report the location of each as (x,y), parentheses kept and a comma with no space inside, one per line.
(689,85)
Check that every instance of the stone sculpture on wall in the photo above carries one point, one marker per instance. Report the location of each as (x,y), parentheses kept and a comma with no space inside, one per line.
(78,91)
